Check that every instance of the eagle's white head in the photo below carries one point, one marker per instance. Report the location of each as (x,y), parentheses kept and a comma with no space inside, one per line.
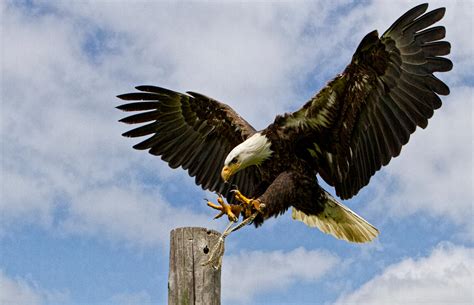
(252,151)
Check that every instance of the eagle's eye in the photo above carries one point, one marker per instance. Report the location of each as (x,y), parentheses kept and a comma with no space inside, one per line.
(233,161)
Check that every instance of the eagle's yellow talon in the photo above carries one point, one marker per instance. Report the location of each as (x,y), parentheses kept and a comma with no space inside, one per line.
(249,205)
(238,195)
(231,210)
(214,206)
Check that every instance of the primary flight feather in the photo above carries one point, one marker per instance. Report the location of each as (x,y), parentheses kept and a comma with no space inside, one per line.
(345,133)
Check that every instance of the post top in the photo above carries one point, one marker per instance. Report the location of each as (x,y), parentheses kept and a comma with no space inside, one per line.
(195,229)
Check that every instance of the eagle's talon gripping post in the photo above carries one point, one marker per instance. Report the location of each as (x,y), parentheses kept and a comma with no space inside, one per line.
(217,252)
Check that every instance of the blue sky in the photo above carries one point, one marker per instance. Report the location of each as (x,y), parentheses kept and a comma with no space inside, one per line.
(85,219)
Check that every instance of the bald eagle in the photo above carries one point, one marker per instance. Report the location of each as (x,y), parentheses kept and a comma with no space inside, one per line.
(355,125)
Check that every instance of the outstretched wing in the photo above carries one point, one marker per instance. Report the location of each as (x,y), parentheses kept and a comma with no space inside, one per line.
(362,118)
(192,131)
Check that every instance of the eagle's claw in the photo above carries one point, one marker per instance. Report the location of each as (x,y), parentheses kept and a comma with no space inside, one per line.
(231,210)
(238,195)
(249,205)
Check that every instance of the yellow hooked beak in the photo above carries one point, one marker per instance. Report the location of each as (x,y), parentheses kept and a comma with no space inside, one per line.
(229,170)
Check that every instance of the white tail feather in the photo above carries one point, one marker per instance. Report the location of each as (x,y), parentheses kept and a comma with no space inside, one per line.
(339,221)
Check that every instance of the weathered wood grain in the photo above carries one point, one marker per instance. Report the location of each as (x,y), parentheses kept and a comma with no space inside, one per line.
(190,283)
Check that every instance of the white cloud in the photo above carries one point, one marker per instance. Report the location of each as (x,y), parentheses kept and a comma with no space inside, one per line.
(132,214)
(259,272)
(19,291)
(444,277)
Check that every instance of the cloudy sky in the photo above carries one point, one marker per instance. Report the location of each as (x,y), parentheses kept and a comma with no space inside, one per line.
(85,219)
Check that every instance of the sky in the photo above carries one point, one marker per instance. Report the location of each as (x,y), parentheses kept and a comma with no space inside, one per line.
(85,219)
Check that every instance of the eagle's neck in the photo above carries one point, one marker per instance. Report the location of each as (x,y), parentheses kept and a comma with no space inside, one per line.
(252,151)
(258,148)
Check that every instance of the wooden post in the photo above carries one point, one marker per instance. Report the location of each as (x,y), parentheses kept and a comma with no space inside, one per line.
(190,283)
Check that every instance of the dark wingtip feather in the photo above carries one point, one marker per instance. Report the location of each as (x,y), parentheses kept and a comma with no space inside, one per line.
(425,21)
(147,88)
(155,89)
(443,89)
(440,64)
(142,130)
(438,13)
(122,96)
(140,147)
(124,107)
(137,96)
(140,117)
(126,134)
(124,120)
(138,106)
(423,7)
(407,17)
(436,48)
(146,144)
(431,34)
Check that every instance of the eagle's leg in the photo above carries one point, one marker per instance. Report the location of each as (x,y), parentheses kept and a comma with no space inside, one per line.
(251,208)
(249,205)
(231,210)
(217,251)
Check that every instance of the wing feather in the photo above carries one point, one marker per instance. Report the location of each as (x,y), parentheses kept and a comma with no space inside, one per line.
(207,172)
(379,138)
(368,112)
(190,131)
(177,159)
(406,18)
